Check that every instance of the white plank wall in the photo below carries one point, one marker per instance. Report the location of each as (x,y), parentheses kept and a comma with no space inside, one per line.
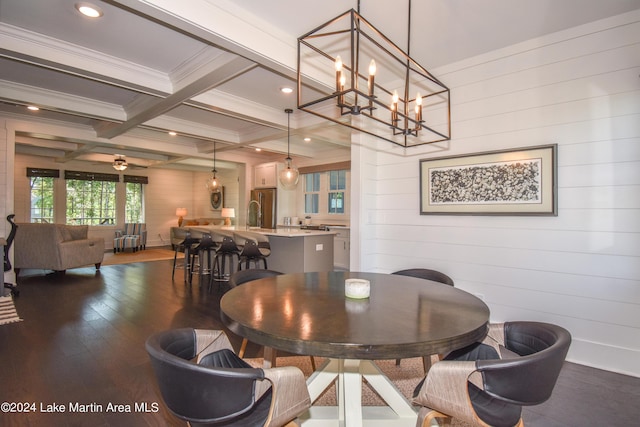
(579,88)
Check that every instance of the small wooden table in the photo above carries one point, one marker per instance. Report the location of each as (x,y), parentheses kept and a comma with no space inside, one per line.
(308,313)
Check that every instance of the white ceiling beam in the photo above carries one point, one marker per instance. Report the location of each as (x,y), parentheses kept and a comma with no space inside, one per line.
(233,67)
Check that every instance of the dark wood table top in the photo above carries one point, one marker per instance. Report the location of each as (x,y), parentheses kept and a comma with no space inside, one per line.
(308,313)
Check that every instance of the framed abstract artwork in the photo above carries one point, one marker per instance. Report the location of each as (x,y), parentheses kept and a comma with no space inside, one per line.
(519,181)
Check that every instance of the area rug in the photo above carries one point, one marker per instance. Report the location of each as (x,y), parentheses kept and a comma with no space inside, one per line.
(152,254)
(405,377)
(8,313)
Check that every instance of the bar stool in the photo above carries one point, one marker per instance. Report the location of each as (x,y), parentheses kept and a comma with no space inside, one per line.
(187,247)
(251,253)
(227,251)
(205,253)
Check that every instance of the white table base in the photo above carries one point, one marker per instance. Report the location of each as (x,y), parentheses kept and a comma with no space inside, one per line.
(350,412)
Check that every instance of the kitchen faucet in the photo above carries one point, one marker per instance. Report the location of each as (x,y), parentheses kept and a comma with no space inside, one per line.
(259,215)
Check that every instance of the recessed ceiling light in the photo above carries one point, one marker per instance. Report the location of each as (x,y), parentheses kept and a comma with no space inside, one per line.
(286,89)
(307,139)
(258,149)
(33,108)
(172,133)
(88,9)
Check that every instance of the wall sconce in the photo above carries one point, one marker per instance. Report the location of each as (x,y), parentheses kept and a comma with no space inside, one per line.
(181,213)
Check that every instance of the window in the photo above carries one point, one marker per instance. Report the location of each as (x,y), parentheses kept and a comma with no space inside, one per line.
(91,198)
(337,187)
(41,199)
(325,192)
(41,183)
(311,193)
(133,208)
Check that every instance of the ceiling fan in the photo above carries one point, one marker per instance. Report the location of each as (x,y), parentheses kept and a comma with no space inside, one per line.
(119,163)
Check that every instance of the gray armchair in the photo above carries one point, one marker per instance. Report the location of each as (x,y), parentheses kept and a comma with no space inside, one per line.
(486,384)
(203,382)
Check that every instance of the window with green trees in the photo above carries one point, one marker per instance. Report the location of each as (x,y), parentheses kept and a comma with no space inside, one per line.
(134,206)
(337,188)
(41,199)
(91,198)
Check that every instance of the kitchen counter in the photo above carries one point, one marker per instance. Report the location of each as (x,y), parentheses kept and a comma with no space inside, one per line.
(281,232)
(292,232)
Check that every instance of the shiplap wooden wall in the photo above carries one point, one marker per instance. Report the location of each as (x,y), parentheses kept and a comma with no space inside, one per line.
(579,89)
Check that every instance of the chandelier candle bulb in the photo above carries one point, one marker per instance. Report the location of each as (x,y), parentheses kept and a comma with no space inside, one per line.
(357,288)
(372,76)
(338,65)
(418,110)
(394,107)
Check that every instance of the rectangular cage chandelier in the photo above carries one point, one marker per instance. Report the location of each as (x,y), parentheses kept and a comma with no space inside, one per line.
(355,76)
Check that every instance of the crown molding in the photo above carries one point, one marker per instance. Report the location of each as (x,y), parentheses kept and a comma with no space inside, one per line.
(40,50)
(61,102)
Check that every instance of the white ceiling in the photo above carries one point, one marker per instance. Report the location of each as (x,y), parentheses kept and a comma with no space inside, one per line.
(212,69)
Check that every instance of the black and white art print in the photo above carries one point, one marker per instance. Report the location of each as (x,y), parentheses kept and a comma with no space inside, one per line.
(510,182)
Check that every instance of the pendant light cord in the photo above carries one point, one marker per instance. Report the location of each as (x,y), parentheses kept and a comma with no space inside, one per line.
(288,111)
(214,158)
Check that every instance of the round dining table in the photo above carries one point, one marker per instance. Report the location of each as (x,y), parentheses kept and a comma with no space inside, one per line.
(309,314)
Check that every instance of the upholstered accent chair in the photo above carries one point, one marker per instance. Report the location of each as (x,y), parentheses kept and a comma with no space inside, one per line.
(134,236)
(202,381)
(486,384)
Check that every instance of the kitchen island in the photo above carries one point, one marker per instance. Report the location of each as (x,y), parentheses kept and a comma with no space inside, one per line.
(300,251)
(292,250)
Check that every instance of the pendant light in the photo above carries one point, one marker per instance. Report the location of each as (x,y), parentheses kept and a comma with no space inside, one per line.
(369,76)
(289,176)
(213,183)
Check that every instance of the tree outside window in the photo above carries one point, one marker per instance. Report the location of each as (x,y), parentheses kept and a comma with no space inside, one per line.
(91,202)
(337,187)
(134,206)
(42,200)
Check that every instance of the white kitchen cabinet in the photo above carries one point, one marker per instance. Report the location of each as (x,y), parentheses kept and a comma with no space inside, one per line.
(341,247)
(265,175)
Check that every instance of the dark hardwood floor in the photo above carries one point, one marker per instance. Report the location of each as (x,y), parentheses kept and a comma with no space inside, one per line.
(82,341)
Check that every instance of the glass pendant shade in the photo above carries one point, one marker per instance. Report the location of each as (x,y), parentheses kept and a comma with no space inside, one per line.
(289,176)
(213,183)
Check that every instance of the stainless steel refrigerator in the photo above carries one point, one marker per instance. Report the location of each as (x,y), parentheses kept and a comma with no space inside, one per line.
(266,217)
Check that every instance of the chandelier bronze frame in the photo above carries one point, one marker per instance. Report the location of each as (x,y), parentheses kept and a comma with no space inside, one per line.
(384,97)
